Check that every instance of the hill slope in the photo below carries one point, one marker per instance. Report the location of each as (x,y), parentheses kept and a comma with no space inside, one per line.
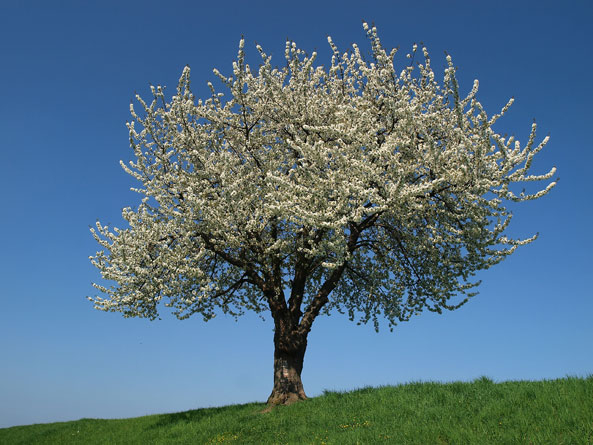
(551,411)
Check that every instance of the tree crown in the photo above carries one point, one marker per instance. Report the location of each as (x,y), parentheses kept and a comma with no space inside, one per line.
(374,183)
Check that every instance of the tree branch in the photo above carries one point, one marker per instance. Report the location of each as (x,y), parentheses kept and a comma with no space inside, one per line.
(321,298)
(244,265)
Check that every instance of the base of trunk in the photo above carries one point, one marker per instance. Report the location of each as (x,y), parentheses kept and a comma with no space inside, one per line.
(286,398)
(288,386)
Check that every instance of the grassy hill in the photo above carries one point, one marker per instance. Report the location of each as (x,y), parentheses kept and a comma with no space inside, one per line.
(480,412)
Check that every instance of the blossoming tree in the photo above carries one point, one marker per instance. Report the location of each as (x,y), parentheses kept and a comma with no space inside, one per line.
(359,188)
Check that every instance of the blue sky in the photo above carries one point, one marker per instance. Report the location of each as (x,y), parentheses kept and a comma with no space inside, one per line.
(68,72)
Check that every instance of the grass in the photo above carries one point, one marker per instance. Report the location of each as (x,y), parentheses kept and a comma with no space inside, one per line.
(479,412)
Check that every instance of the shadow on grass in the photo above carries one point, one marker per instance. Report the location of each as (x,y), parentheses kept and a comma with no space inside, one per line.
(202,414)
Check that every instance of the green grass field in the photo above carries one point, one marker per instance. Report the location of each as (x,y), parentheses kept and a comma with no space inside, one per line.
(479,412)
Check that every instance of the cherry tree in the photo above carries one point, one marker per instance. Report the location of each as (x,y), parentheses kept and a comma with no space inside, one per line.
(365,187)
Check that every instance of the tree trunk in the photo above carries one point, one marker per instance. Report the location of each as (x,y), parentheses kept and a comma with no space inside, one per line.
(288,365)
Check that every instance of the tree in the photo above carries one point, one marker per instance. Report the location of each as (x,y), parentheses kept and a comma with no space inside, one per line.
(356,188)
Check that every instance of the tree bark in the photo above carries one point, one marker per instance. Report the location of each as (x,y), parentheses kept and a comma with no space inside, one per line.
(289,352)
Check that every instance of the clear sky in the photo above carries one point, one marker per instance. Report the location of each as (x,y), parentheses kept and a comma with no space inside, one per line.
(68,71)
